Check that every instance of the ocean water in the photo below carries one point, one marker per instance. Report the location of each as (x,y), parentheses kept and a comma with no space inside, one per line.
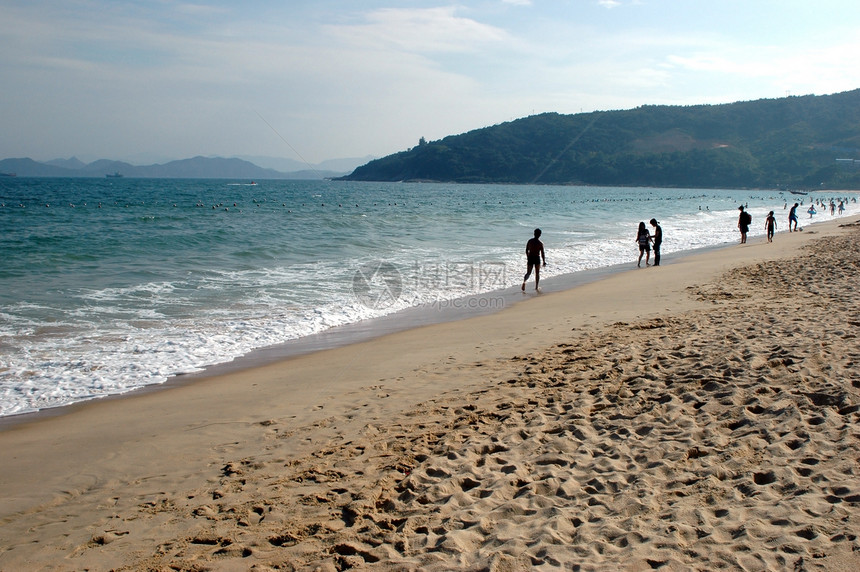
(108,285)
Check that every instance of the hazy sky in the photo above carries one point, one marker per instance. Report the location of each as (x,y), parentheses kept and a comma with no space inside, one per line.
(321,79)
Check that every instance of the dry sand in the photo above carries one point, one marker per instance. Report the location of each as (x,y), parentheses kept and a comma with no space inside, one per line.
(703,415)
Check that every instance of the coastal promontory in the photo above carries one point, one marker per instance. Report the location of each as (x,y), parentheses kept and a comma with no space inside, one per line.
(790,142)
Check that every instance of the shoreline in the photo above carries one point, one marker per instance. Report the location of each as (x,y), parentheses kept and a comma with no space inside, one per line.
(199,475)
(367,330)
(191,344)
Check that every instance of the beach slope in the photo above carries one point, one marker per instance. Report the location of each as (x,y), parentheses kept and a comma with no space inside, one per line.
(697,416)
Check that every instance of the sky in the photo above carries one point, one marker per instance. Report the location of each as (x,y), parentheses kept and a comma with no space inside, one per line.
(310,80)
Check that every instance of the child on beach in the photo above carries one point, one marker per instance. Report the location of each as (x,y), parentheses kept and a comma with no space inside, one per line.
(644,241)
(534,254)
(770,226)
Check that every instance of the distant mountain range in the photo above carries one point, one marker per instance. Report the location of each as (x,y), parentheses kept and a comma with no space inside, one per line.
(195,168)
(799,142)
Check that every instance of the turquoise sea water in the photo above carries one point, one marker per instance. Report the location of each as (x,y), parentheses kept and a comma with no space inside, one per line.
(108,285)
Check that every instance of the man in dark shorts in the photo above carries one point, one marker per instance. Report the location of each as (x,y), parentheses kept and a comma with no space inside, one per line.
(658,240)
(534,255)
(792,216)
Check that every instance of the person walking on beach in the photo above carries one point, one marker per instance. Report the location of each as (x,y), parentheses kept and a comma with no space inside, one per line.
(792,217)
(643,239)
(744,221)
(770,226)
(534,255)
(658,240)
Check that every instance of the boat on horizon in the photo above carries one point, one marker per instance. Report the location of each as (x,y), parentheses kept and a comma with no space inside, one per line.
(8,174)
(114,175)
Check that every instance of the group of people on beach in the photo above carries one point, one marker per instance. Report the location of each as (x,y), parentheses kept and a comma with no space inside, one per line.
(745,219)
(770,222)
(536,257)
(645,240)
(824,206)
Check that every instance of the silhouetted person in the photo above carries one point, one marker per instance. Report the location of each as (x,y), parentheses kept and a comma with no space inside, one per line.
(744,220)
(657,238)
(770,226)
(643,239)
(534,255)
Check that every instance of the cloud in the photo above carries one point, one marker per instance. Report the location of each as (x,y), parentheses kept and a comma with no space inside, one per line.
(420,30)
(198,9)
(196,84)
(804,67)
(187,77)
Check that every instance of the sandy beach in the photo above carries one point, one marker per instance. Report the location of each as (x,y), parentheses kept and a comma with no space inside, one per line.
(703,415)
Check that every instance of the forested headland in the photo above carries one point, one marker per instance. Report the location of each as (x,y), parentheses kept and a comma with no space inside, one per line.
(798,142)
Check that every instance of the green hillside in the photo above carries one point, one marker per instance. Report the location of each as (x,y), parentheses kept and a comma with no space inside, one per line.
(788,142)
